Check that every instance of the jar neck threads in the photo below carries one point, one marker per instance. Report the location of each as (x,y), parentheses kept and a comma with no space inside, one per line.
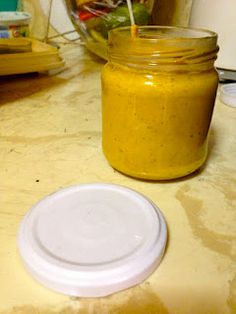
(167,48)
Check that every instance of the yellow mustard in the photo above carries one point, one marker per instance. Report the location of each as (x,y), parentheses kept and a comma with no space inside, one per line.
(158,93)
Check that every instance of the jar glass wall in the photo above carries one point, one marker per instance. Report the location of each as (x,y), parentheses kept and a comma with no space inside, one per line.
(158,93)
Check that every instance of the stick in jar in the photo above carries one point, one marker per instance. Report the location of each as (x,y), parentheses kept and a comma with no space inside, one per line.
(134,28)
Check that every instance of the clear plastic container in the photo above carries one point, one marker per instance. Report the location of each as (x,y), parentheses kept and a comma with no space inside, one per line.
(158,94)
(14,24)
(94,19)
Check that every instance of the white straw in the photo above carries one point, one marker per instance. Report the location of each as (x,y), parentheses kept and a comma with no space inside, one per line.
(130,12)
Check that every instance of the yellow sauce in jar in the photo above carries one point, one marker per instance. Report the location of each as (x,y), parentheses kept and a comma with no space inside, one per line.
(156,121)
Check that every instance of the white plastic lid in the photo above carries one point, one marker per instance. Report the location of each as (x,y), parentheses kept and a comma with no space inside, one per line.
(16,18)
(92,240)
(228,94)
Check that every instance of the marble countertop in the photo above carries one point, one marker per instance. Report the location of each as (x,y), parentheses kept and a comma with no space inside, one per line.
(50,137)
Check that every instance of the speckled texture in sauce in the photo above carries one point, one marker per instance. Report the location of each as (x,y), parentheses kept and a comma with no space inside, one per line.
(155,125)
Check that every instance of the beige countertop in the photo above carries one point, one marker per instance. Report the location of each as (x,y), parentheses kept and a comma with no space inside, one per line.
(50,137)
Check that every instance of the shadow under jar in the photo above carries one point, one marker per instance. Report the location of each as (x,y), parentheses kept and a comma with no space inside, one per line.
(158,94)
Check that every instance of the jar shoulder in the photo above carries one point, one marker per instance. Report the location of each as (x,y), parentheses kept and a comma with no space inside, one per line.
(119,75)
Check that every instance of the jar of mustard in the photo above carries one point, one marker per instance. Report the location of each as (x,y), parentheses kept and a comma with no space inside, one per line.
(158,94)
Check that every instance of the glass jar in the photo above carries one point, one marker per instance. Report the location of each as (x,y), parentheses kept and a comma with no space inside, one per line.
(158,94)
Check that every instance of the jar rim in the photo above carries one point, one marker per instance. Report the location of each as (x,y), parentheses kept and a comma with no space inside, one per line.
(163,46)
(169,34)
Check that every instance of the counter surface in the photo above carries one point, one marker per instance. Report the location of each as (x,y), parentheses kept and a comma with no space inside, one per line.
(50,137)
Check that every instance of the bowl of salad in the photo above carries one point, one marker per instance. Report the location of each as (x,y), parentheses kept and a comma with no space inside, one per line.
(94,19)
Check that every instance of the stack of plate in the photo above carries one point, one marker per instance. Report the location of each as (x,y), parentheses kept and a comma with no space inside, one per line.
(24,55)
